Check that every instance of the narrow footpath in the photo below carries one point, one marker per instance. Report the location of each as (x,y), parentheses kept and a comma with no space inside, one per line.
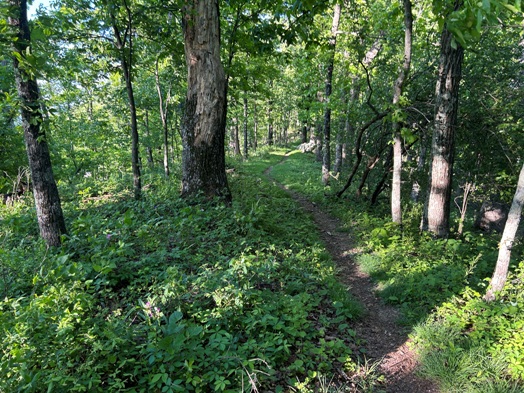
(386,341)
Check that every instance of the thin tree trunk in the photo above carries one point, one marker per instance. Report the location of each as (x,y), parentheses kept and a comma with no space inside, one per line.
(506,243)
(396,209)
(163,118)
(319,138)
(236,139)
(150,160)
(358,150)
(126,64)
(255,127)
(204,122)
(47,200)
(245,128)
(437,209)
(372,161)
(326,156)
(270,131)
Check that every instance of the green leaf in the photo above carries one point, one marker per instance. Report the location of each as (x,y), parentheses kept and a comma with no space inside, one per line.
(511,8)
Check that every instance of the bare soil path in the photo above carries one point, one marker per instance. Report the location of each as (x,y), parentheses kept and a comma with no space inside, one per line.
(386,341)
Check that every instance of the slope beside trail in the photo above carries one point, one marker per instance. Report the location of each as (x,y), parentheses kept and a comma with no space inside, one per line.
(385,340)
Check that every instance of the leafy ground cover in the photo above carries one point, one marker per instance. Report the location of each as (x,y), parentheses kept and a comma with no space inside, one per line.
(465,344)
(163,295)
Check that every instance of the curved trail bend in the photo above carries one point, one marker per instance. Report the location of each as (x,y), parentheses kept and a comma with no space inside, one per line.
(385,340)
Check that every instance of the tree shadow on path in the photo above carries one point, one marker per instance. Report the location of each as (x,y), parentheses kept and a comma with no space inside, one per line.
(386,341)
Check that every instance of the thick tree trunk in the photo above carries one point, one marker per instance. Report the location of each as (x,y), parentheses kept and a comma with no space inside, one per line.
(506,243)
(204,122)
(48,207)
(396,210)
(326,156)
(163,118)
(245,128)
(437,209)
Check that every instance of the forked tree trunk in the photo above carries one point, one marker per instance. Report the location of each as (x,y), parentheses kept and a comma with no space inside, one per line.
(437,209)
(326,156)
(204,122)
(506,243)
(396,209)
(47,201)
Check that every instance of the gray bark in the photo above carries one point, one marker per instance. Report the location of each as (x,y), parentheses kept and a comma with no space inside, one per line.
(437,208)
(326,156)
(204,121)
(500,274)
(47,200)
(396,210)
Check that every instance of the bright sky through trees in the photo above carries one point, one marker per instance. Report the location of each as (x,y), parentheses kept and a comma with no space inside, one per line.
(36,4)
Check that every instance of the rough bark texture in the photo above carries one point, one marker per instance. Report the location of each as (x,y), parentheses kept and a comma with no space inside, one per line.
(326,156)
(48,207)
(436,212)
(204,122)
(506,243)
(396,210)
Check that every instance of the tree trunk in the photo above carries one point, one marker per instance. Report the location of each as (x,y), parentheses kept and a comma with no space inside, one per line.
(506,243)
(255,127)
(245,128)
(339,152)
(319,138)
(47,200)
(126,64)
(236,139)
(204,121)
(270,132)
(326,156)
(396,210)
(436,211)
(150,160)
(163,118)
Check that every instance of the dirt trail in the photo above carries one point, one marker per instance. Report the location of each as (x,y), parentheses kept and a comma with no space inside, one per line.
(385,340)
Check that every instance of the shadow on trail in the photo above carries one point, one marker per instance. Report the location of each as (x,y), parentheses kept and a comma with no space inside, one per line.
(384,340)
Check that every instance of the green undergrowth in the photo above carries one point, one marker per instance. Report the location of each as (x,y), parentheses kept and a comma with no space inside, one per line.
(167,295)
(466,344)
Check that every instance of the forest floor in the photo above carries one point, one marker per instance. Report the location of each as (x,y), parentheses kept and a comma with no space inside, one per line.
(385,340)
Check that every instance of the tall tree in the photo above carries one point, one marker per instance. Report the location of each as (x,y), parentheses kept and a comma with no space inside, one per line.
(163,117)
(47,200)
(396,209)
(326,156)
(506,243)
(436,212)
(124,45)
(204,121)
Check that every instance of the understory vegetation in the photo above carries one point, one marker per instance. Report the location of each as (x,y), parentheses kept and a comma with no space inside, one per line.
(162,295)
(465,343)
(165,296)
